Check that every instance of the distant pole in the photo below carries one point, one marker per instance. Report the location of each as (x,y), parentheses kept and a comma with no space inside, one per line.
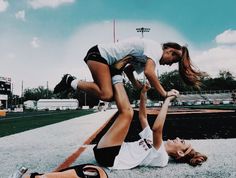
(22,88)
(22,92)
(85,97)
(47,91)
(12,88)
(142,30)
(12,94)
(114,30)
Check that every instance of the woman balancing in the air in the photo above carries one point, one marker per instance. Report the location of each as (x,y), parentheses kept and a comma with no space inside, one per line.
(107,61)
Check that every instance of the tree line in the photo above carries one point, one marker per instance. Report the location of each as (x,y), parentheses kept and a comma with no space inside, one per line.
(169,80)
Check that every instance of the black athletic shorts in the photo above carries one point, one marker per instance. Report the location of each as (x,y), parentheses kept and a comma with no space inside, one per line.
(94,55)
(106,156)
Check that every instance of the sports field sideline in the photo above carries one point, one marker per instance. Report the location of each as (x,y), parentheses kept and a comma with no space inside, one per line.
(44,149)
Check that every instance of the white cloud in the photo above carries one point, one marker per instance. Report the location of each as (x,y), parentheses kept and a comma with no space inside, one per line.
(93,34)
(20,15)
(3,5)
(215,59)
(35,42)
(36,4)
(220,57)
(11,56)
(227,37)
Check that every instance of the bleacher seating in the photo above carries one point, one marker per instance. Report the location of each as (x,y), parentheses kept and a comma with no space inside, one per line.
(205,97)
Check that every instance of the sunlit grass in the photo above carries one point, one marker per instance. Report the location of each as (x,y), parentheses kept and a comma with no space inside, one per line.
(15,123)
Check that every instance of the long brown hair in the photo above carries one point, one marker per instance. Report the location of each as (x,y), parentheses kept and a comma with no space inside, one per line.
(193,158)
(187,71)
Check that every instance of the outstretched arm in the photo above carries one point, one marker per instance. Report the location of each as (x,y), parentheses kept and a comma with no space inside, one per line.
(142,106)
(159,123)
(149,72)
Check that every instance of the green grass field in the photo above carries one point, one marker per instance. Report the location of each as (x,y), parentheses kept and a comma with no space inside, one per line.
(19,122)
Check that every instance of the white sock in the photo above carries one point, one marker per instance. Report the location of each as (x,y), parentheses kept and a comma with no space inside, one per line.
(74,84)
(117,79)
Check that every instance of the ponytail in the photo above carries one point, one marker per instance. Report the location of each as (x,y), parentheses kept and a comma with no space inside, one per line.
(193,158)
(187,71)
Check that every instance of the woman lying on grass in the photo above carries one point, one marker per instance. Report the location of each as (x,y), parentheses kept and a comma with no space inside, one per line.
(150,150)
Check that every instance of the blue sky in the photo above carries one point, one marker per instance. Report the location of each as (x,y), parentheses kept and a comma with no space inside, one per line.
(200,21)
(43,39)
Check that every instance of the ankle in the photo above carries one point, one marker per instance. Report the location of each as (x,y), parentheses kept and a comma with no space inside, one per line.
(74,84)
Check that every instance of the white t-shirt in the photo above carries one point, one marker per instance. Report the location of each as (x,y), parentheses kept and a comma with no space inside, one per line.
(141,153)
(140,48)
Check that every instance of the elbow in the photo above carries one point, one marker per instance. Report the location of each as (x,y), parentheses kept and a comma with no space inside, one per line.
(157,129)
(149,73)
(146,73)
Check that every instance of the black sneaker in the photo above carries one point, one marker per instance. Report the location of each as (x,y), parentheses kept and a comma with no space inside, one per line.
(64,84)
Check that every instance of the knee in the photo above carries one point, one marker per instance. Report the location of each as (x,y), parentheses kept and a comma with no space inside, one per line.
(106,95)
(128,112)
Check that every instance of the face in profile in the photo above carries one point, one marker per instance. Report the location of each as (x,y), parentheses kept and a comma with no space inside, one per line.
(177,147)
(169,57)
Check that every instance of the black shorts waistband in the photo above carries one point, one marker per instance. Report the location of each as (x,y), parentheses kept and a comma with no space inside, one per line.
(94,55)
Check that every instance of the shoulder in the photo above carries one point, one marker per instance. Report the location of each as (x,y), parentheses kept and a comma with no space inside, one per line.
(162,154)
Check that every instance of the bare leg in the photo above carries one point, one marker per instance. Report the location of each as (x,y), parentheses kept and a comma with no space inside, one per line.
(102,85)
(69,173)
(118,131)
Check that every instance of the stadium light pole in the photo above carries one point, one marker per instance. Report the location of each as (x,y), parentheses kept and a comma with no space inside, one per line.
(114,30)
(142,30)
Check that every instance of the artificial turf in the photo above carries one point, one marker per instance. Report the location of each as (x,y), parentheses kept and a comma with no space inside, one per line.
(19,122)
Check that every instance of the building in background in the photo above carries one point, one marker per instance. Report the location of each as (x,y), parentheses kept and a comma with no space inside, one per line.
(57,104)
(5,91)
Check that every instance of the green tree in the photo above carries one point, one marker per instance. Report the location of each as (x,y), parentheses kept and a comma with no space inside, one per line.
(226,75)
(85,98)
(37,93)
(224,81)
(172,79)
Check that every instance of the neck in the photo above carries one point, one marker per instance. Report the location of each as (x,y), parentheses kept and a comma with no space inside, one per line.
(168,149)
